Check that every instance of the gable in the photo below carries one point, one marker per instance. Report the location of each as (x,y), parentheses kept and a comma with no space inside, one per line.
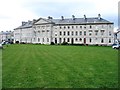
(42,21)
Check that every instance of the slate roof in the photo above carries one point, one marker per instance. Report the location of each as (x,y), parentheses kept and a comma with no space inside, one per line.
(25,25)
(93,20)
(80,21)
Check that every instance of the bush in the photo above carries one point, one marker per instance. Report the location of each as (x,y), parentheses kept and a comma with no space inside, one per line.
(52,43)
(22,43)
(17,42)
(64,43)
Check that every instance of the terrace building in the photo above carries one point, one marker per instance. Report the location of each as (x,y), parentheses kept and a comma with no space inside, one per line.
(94,30)
(6,36)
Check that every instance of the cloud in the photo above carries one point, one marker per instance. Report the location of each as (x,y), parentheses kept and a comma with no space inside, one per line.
(13,12)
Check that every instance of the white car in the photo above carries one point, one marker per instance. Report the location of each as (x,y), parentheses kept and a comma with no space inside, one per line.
(1,47)
(116,46)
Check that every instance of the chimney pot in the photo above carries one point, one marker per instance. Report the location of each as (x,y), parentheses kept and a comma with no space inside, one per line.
(62,17)
(73,17)
(99,16)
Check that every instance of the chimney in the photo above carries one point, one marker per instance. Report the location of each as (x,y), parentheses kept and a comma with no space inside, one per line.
(50,17)
(99,16)
(85,17)
(73,17)
(23,23)
(62,17)
(34,20)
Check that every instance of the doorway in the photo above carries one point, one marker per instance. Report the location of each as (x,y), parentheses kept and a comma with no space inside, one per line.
(84,40)
(72,41)
(55,40)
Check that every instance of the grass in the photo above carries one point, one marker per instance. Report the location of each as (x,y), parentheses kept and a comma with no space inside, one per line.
(45,66)
(0,69)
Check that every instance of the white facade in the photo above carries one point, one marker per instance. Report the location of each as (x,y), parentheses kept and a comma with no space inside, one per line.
(6,36)
(73,31)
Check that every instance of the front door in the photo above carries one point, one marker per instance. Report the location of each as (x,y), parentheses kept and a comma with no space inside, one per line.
(55,40)
(72,41)
(84,40)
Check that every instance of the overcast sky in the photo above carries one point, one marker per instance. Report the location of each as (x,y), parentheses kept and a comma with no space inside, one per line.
(13,12)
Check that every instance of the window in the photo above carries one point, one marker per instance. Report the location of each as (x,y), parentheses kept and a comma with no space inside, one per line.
(38,27)
(84,27)
(81,27)
(38,39)
(43,27)
(80,39)
(85,33)
(102,32)
(68,39)
(68,33)
(55,34)
(96,32)
(34,39)
(109,40)
(64,33)
(90,32)
(76,33)
(47,30)
(60,27)
(102,40)
(43,39)
(55,27)
(64,40)
(47,39)
(109,33)
(64,27)
(76,39)
(60,33)
(80,32)
(102,26)
(110,26)
(68,27)
(72,33)
(72,27)
(90,40)
(43,30)
(90,26)
(60,40)
(95,38)
(76,26)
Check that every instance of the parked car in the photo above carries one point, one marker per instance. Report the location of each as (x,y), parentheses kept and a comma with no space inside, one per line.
(3,43)
(1,47)
(116,46)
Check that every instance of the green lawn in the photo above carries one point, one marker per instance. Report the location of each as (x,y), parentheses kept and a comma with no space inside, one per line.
(46,66)
(0,69)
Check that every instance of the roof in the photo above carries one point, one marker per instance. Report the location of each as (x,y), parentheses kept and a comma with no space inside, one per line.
(25,25)
(7,32)
(81,21)
(94,20)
